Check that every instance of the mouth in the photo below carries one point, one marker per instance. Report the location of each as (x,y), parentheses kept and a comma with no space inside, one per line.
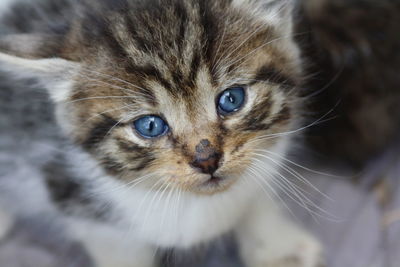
(214,181)
(213,184)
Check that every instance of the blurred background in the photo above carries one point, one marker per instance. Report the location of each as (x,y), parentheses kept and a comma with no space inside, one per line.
(351,156)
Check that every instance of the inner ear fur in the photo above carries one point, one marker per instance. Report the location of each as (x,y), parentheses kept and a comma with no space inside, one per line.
(32,46)
(278,13)
(26,56)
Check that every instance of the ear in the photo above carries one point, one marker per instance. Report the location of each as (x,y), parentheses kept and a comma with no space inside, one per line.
(36,57)
(277,13)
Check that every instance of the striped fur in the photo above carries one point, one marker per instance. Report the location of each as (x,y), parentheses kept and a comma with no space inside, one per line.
(171,58)
(106,63)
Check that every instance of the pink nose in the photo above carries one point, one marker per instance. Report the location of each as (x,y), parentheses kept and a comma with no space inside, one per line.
(206,158)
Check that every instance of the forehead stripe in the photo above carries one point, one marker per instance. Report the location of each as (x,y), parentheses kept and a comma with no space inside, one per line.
(254,120)
(99,132)
(141,155)
(271,74)
(112,166)
(150,72)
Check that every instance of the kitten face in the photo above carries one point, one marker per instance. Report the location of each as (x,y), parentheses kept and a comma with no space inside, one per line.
(175,61)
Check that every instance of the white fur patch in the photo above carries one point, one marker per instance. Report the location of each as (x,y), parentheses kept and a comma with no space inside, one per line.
(54,74)
(110,246)
(169,218)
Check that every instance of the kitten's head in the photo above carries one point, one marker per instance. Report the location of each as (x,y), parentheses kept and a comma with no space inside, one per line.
(183,93)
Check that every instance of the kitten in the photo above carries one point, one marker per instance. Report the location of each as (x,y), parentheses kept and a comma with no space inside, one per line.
(180,112)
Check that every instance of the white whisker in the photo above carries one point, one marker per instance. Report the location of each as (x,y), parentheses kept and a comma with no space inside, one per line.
(159,193)
(294,173)
(293,191)
(113,127)
(215,63)
(114,78)
(258,179)
(270,136)
(230,53)
(107,111)
(99,97)
(123,186)
(288,191)
(140,207)
(166,207)
(300,166)
(244,59)
(297,192)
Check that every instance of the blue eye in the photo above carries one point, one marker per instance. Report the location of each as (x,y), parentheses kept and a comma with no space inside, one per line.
(231,100)
(151,126)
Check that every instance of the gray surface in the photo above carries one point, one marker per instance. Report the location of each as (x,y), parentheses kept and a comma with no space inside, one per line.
(39,243)
(367,232)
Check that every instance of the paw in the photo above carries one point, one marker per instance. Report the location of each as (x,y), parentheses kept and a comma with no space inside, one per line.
(6,223)
(304,257)
(305,253)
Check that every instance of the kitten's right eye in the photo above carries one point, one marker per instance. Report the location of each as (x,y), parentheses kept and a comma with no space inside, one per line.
(231,100)
(151,126)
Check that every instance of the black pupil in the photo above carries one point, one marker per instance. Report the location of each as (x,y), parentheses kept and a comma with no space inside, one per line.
(150,126)
(231,98)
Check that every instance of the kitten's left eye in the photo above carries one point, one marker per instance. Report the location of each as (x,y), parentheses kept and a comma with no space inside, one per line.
(231,100)
(151,126)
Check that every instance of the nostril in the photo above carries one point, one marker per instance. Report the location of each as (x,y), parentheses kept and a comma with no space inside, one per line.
(208,165)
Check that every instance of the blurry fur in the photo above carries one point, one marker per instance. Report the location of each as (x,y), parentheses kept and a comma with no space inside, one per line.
(107,63)
(352,51)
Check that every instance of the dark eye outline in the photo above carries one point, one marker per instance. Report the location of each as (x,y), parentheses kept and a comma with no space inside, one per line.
(165,132)
(223,112)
